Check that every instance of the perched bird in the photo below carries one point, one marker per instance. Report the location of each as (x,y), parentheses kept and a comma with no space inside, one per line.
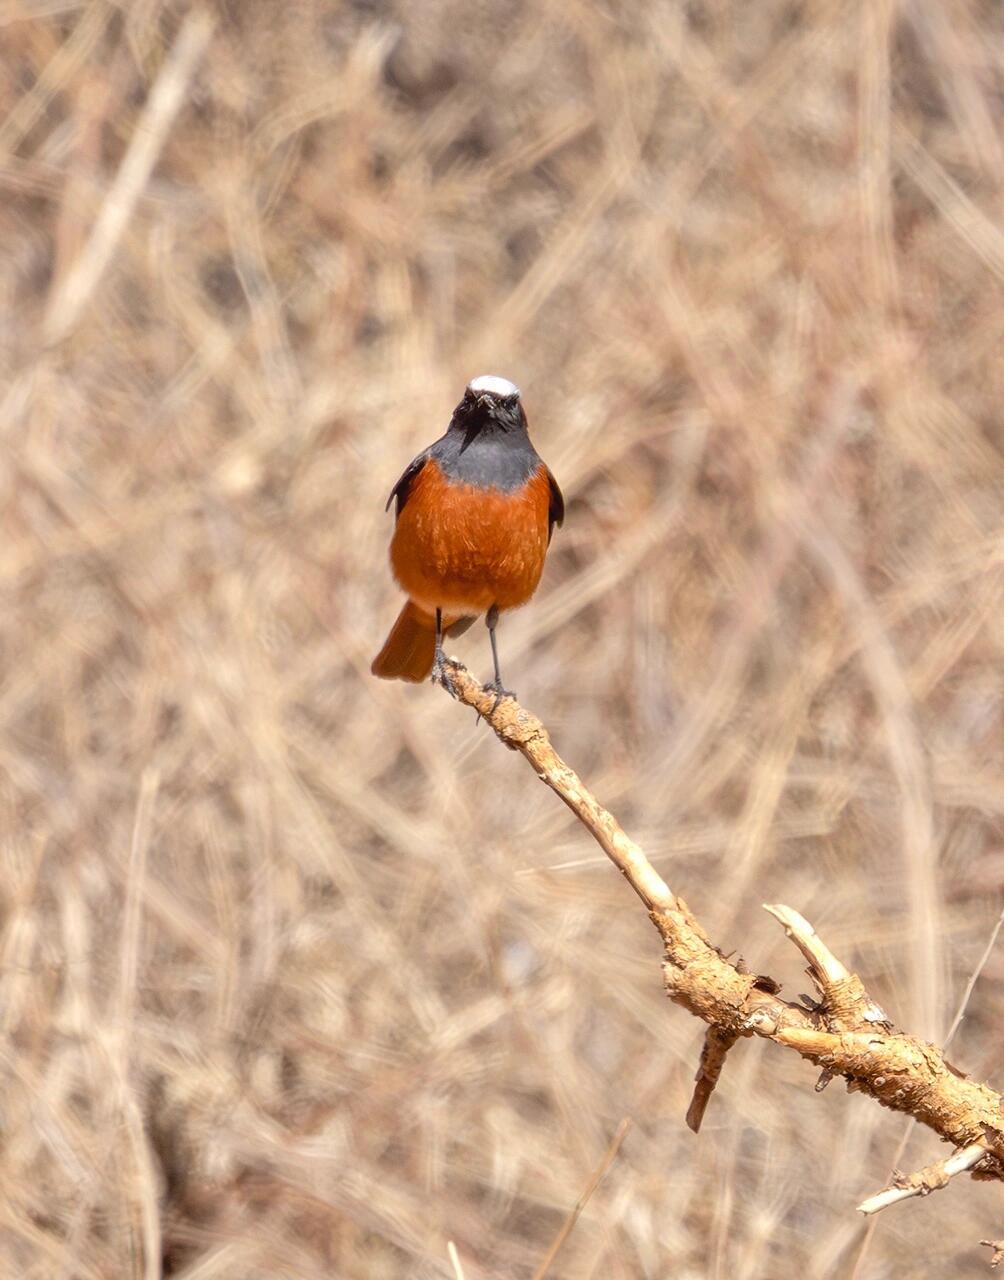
(475,514)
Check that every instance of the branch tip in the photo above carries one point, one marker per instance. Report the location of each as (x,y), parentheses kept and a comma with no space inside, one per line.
(998,1248)
(924,1181)
(717,1043)
(825,965)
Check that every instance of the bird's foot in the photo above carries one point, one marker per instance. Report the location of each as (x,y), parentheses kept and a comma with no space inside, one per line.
(497,688)
(441,674)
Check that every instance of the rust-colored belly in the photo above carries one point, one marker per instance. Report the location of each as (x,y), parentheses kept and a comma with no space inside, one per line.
(462,549)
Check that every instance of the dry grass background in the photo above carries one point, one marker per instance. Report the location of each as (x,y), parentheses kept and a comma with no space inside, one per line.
(302,974)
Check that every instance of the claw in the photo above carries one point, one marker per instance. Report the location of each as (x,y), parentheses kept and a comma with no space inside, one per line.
(441,675)
(496,687)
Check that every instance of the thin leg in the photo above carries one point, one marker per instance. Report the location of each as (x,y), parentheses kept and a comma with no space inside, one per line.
(491,621)
(440,675)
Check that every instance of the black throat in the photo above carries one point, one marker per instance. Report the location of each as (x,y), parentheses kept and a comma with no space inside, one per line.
(488,446)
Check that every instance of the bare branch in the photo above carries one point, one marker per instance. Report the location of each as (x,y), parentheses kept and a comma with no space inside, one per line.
(922,1183)
(847,1034)
(824,963)
(524,733)
(847,1003)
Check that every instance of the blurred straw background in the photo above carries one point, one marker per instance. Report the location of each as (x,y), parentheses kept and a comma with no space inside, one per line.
(301,974)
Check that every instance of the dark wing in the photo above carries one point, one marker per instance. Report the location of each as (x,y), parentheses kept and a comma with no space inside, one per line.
(556,509)
(403,486)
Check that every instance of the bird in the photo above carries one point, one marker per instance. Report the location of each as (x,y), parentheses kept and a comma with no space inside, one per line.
(474,516)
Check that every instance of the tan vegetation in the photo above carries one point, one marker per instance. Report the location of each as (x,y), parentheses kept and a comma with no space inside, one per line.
(300,974)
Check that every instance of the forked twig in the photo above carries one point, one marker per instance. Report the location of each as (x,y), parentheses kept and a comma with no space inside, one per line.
(847,1034)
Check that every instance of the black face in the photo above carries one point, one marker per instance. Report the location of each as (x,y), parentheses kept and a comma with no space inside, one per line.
(485,411)
(487,444)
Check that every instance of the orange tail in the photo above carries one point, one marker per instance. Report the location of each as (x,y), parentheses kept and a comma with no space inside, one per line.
(409,650)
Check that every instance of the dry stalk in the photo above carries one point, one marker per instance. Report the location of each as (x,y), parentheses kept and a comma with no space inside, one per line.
(846,1033)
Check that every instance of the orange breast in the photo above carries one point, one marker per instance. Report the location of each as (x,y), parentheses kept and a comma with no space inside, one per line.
(463,549)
